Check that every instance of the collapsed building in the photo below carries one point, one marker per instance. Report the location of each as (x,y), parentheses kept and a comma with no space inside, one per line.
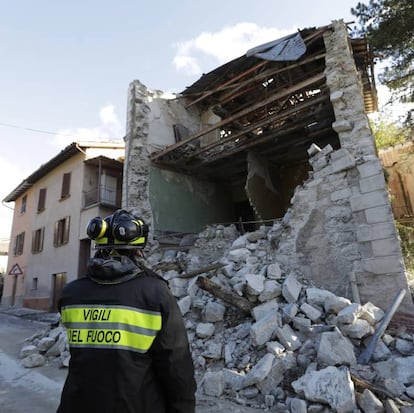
(280,133)
(300,284)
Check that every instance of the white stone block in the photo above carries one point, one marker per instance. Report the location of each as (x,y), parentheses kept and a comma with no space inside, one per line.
(331,385)
(271,290)
(383,265)
(274,272)
(214,312)
(311,312)
(372,183)
(373,232)
(368,402)
(349,314)
(318,296)
(254,284)
(369,200)
(262,310)
(291,289)
(288,337)
(205,330)
(184,305)
(262,331)
(259,371)
(213,383)
(335,349)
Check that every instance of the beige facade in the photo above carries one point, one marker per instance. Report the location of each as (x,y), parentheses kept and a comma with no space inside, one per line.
(48,245)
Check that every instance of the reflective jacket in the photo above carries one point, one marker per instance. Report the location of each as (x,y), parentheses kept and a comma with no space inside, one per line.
(129,348)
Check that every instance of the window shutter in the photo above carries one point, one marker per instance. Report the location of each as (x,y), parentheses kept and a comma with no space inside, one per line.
(42,200)
(66,185)
(56,234)
(66,230)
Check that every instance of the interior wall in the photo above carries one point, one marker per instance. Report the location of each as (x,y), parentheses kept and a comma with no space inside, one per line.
(182,203)
(270,187)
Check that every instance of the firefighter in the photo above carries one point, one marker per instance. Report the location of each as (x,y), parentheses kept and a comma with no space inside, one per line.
(128,344)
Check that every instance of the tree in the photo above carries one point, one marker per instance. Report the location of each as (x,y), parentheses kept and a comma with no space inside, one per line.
(388,133)
(389,27)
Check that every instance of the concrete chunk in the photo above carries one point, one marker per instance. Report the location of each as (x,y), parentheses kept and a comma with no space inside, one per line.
(260,371)
(262,331)
(213,383)
(311,312)
(254,283)
(205,330)
(288,337)
(358,329)
(331,385)
(334,304)
(318,296)
(264,309)
(214,312)
(274,272)
(272,289)
(349,314)
(402,369)
(370,403)
(335,349)
(291,289)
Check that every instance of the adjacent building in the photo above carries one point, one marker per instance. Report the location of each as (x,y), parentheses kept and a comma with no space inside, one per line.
(48,243)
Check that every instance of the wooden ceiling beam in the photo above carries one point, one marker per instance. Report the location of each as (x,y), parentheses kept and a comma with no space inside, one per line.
(281,94)
(272,118)
(229,82)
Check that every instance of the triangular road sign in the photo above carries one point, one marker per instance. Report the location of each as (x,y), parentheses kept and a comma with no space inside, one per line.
(15,270)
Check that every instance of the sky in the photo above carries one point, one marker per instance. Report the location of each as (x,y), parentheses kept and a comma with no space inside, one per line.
(66,66)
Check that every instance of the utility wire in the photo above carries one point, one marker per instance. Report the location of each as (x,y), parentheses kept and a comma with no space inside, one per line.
(8,125)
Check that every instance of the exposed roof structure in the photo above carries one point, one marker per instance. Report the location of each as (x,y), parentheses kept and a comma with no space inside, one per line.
(65,154)
(273,100)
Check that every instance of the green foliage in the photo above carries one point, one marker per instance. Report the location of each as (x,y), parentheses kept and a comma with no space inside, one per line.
(407,245)
(388,133)
(389,27)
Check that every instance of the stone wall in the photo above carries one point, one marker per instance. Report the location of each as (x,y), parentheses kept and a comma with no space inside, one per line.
(137,162)
(340,231)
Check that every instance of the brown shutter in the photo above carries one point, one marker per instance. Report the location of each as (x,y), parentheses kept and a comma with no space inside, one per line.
(42,200)
(66,230)
(66,185)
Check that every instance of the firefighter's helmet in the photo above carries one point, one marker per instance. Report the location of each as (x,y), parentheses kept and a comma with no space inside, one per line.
(121,230)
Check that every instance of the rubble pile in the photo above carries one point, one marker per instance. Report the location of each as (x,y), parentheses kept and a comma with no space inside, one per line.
(291,347)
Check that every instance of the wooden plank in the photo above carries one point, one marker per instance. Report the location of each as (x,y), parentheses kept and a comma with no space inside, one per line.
(301,85)
(271,118)
(229,82)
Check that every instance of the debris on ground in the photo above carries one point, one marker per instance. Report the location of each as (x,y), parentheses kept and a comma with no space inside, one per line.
(263,337)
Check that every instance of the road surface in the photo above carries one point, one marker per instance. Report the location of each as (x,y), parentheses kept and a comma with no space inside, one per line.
(37,390)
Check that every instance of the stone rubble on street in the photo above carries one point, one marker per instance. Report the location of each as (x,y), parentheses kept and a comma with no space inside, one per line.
(297,351)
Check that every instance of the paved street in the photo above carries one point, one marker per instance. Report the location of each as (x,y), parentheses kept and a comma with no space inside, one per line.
(38,390)
(25,390)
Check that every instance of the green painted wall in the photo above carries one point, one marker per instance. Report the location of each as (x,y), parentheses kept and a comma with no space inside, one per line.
(182,203)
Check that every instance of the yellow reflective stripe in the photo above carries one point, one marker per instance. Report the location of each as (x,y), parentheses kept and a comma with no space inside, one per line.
(109,339)
(112,314)
(137,241)
(115,327)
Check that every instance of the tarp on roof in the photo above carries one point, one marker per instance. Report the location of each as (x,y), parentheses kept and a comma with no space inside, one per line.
(287,48)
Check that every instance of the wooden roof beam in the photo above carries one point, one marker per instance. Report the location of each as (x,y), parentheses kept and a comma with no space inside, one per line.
(283,93)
